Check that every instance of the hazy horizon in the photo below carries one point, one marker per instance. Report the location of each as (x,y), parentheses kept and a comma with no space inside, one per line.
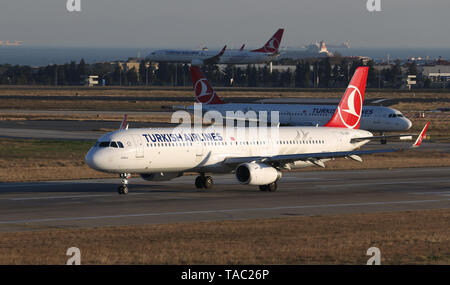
(213,23)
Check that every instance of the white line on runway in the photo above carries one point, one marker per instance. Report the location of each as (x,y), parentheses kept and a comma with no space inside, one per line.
(222,211)
(62,197)
(388,183)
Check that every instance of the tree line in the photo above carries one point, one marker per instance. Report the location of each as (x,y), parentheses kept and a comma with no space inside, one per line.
(321,73)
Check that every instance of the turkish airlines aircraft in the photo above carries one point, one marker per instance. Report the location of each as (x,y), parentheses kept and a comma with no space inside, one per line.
(264,54)
(257,156)
(374,118)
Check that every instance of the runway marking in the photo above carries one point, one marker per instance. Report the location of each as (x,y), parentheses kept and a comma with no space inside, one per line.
(442,193)
(220,211)
(390,183)
(61,197)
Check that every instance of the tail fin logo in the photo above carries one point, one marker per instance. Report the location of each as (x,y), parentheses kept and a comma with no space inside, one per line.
(272,45)
(353,109)
(203,92)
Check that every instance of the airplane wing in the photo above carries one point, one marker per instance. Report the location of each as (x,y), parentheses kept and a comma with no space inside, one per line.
(404,136)
(215,59)
(315,158)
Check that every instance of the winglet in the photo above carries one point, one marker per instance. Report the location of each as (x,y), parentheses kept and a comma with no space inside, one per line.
(215,59)
(124,125)
(222,51)
(421,136)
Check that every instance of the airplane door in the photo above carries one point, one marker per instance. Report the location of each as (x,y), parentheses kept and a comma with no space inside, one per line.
(139,146)
(199,151)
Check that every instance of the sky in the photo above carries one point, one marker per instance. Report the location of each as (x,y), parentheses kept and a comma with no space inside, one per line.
(214,23)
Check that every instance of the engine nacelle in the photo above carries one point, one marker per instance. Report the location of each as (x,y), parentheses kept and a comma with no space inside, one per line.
(160,176)
(256,174)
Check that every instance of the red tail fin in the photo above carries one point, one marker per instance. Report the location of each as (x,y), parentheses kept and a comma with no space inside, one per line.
(203,91)
(123,125)
(421,136)
(273,43)
(348,113)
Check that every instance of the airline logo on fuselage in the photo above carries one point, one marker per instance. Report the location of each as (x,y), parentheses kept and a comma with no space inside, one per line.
(185,137)
(330,111)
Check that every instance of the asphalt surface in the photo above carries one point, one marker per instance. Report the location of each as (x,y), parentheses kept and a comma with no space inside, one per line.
(95,203)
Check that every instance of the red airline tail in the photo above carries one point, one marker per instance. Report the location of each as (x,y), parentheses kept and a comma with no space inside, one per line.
(203,91)
(273,44)
(124,125)
(348,113)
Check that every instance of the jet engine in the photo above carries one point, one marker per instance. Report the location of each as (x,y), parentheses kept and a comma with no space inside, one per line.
(256,174)
(161,176)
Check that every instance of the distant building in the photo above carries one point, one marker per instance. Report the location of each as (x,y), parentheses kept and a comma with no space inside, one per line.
(91,80)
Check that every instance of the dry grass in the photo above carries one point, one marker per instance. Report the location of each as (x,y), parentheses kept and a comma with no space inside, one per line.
(60,116)
(419,237)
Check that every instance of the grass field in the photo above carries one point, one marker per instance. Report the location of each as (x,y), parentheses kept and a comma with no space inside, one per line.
(419,237)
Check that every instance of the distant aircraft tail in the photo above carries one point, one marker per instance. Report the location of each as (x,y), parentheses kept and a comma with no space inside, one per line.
(348,113)
(272,44)
(242,47)
(203,91)
(124,124)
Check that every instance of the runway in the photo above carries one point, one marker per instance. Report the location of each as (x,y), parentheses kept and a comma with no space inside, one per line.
(95,203)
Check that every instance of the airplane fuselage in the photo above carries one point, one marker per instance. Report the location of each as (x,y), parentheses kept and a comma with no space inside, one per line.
(205,150)
(193,56)
(374,118)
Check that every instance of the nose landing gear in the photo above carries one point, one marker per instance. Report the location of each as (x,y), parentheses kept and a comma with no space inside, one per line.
(123,189)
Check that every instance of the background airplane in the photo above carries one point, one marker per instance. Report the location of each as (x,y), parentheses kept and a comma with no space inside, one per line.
(374,118)
(264,54)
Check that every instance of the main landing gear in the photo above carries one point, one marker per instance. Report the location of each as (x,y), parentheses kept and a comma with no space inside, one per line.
(383,140)
(203,181)
(272,187)
(123,189)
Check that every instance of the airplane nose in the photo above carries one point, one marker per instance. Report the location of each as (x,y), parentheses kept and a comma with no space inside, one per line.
(408,123)
(95,160)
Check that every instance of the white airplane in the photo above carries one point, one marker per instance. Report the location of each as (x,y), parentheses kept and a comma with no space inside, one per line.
(256,155)
(374,118)
(199,57)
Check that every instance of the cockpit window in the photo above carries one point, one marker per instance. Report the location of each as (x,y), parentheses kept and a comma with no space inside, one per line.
(395,115)
(103,144)
(109,144)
